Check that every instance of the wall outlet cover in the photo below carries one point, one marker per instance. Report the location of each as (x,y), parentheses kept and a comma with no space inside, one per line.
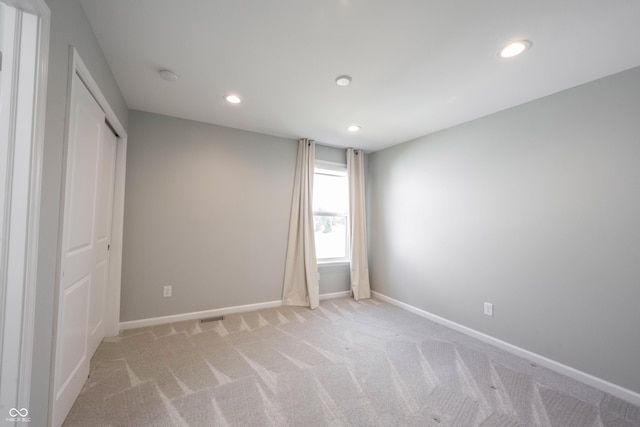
(488,309)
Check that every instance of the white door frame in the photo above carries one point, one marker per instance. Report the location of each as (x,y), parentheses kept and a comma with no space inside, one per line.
(21,206)
(112,311)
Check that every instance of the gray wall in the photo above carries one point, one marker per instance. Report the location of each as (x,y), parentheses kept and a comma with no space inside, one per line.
(334,278)
(207,212)
(331,154)
(535,209)
(69,26)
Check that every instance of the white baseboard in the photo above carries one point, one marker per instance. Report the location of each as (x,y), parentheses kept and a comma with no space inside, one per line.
(133,324)
(335,295)
(600,384)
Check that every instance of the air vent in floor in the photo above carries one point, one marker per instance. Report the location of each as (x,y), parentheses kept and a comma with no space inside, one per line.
(211,319)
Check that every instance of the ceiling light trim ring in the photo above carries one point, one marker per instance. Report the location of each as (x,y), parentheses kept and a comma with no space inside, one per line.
(232,98)
(343,80)
(168,75)
(515,48)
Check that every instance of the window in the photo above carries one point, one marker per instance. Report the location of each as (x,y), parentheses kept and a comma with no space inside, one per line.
(330,212)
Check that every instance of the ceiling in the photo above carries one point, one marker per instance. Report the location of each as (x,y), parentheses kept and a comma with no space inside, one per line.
(418,66)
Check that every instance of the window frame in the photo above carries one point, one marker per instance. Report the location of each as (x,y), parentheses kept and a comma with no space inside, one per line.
(334,169)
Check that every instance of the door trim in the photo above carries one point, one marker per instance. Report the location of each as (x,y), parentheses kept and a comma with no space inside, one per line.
(19,343)
(77,66)
(112,311)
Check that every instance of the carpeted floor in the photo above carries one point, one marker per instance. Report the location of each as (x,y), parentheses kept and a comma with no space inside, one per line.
(346,363)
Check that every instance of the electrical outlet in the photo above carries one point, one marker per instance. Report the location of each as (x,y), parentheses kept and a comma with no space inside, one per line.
(166,291)
(488,309)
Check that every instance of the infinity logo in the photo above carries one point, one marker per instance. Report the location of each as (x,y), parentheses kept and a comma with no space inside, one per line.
(13,412)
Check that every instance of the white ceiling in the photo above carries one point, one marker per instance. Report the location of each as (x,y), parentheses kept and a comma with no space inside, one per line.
(418,66)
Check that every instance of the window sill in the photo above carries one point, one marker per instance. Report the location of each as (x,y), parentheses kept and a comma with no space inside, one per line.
(333,263)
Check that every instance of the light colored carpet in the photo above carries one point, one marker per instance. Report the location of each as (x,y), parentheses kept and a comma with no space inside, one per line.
(346,363)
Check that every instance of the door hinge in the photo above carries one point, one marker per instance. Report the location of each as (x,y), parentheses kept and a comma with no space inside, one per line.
(108,247)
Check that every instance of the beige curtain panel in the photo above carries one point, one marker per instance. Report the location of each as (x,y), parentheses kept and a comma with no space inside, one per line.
(358,225)
(301,279)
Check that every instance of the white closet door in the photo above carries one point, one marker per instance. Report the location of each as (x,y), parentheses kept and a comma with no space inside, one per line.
(104,209)
(85,236)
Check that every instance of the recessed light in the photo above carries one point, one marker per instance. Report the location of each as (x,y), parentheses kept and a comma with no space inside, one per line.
(233,99)
(353,128)
(343,80)
(514,49)
(168,75)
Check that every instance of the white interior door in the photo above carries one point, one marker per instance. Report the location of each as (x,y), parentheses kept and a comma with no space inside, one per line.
(84,251)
